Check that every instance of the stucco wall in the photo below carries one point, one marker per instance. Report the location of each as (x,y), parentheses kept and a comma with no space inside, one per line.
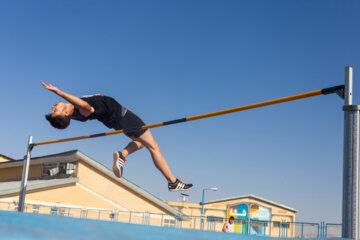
(114,190)
(15,173)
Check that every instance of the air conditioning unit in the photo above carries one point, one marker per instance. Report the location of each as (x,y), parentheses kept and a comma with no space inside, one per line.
(70,168)
(53,171)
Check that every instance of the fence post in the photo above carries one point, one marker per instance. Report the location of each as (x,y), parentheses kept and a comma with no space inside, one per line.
(264,228)
(326,230)
(320,229)
(302,230)
(249,227)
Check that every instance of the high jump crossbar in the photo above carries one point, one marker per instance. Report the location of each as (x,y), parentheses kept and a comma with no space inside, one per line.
(337,89)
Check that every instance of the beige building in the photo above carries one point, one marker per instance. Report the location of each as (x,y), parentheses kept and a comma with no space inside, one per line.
(266,217)
(73,184)
(5,159)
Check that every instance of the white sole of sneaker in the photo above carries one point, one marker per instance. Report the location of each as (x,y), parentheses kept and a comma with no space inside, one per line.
(175,190)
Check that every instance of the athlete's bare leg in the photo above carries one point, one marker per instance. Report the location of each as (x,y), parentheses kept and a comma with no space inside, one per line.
(132,147)
(147,140)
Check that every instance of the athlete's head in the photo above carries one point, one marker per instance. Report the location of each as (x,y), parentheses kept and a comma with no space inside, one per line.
(231,219)
(60,115)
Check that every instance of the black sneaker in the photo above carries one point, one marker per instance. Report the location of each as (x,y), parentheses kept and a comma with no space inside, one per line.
(178,185)
(119,162)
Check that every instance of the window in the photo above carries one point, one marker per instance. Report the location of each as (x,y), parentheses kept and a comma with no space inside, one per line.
(169,222)
(54,210)
(52,170)
(58,211)
(35,208)
(281,224)
(240,221)
(62,211)
(70,168)
(214,219)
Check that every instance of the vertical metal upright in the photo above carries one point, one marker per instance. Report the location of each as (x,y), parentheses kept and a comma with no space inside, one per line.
(350,201)
(202,211)
(24,177)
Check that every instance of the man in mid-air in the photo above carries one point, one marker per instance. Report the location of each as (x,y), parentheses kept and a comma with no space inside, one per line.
(113,115)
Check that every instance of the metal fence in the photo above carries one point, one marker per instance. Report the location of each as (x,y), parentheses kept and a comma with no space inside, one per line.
(279,229)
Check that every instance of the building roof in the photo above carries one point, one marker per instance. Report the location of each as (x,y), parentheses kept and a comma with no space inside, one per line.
(7,159)
(69,157)
(251,196)
(11,187)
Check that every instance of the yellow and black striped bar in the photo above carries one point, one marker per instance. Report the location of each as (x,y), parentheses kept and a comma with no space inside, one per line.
(207,115)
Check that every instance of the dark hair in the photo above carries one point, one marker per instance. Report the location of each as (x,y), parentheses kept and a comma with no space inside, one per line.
(59,122)
(231,218)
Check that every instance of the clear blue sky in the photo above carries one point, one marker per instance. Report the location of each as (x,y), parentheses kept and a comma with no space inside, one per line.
(170,59)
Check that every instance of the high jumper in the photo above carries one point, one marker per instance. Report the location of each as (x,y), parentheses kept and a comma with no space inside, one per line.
(113,115)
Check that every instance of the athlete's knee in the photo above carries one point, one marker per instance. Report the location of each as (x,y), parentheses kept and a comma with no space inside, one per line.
(153,146)
(140,145)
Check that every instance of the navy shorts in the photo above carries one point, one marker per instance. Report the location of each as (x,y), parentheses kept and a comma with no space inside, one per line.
(132,124)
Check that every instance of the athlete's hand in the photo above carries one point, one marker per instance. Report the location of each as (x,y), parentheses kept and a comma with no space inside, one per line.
(49,87)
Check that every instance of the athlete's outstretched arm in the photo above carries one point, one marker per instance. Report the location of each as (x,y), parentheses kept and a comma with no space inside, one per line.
(84,108)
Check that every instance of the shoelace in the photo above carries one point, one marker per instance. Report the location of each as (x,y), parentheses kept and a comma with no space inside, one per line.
(181,180)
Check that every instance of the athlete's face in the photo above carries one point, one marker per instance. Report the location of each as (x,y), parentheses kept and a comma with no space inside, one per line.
(231,221)
(58,109)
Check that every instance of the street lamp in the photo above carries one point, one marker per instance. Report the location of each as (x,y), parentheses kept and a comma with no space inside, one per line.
(202,205)
(184,198)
